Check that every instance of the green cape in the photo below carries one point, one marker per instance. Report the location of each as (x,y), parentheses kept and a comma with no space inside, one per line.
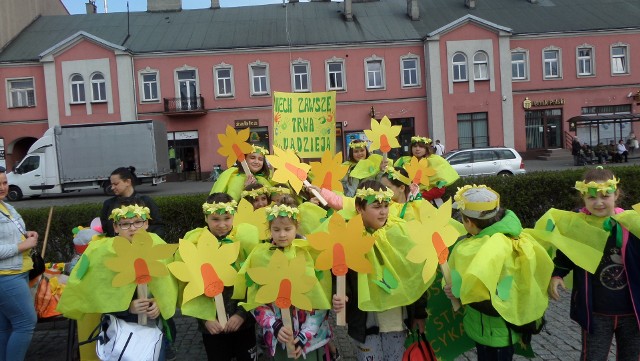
(232,182)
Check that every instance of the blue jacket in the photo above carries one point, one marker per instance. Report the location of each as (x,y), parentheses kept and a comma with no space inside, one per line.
(10,236)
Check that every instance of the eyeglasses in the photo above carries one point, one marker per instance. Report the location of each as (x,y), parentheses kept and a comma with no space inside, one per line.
(127,225)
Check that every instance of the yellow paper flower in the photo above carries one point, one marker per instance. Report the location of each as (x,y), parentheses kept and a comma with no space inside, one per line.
(433,234)
(219,207)
(417,139)
(419,171)
(383,135)
(138,261)
(233,145)
(284,282)
(281,210)
(288,168)
(383,195)
(260,150)
(130,211)
(592,188)
(343,246)
(329,171)
(257,218)
(256,192)
(206,267)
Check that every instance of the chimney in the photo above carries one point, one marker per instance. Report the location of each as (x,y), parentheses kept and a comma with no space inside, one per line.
(164,5)
(91,7)
(348,14)
(215,4)
(412,10)
(471,4)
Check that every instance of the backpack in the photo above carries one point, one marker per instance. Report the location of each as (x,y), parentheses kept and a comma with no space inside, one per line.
(420,349)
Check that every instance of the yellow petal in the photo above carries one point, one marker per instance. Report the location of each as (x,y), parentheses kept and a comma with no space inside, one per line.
(180,271)
(267,293)
(123,278)
(301,301)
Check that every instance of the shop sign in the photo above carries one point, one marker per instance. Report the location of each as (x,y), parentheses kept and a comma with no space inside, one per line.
(247,123)
(528,103)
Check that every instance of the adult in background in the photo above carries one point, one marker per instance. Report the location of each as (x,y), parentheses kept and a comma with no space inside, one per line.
(575,150)
(17,314)
(622,152)
(123,181)
(439,148)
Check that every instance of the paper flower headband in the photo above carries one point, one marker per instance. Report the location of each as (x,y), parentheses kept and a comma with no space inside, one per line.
(374,196)
(424,140)
(592,188)
(282,210)
(476,200)
(392,173)
(131,211)
(260,150)
(279,190)
(256,192)
(220,208)
(354,145)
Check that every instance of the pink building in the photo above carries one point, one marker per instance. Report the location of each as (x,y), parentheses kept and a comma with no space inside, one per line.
(470,73)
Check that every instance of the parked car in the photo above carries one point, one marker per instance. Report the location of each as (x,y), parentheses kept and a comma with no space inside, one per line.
(486,161)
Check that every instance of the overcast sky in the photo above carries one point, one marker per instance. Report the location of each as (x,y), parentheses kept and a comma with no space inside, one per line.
(78,6)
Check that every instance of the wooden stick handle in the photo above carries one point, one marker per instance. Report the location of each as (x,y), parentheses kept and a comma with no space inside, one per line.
(315,193)
(220,310)
(286,321)
(341,317)
(142,295)
(46,233)
(446,273)
(384,156)
(245,167)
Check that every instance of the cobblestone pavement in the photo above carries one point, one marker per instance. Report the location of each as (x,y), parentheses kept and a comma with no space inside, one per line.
(559,341)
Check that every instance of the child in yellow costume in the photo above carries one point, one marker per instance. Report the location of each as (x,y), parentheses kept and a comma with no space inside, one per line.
(605,299)
(362,166)
(311,331)
(237,338)
(89,288)
(500,273)
(257,194)
(422,147)
(233,180)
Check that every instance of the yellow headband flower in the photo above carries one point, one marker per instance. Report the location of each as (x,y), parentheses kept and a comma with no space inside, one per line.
(131,211)
(370,195)
(417,139)
(279,190)
(281,210)
(219,207)
(260,150)
(254,193)
(592,188)
(392,173)
(476,200)
(355,145)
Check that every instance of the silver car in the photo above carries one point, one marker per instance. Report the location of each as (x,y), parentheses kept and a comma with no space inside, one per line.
(486,161)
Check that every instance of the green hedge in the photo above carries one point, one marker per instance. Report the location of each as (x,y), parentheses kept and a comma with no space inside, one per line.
(529,196)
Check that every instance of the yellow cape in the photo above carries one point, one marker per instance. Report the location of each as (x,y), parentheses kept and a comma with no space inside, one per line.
(232,182)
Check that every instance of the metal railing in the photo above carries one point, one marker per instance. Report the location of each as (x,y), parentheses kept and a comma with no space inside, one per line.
(184,105)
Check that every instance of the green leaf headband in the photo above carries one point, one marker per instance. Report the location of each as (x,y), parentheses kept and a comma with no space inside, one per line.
(259,149)
(355,145)
(592,188)
(254,193)
(371,195)
(394,174)
(132,211)
(279,190)
(417,139)
(281,210)
(219,207)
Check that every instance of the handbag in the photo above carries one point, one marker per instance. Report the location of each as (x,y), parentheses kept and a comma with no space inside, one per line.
(36,258)
(118,340)
(420,349)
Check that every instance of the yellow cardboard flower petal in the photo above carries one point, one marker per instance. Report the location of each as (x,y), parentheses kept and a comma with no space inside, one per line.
(233,145)
(288,168)
(257,218)
(419,171)
(329,171)
(383,135)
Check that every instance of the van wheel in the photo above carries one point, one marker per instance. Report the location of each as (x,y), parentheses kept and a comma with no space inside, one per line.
(106,187)
(505,173)
(15,194)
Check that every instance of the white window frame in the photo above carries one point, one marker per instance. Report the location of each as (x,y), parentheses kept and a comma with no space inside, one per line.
(77,89)
(525,64)
(265,66)
(176,80)
(478,65)
(143,85)
(558,59)
(98,88)
(301,77)
(342,73)
(374,59)
(415,71)
(625,59)
(582,59)
(456,66)
(216,78)
(22,93)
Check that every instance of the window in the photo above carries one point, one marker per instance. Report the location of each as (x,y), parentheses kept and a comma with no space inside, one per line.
(77,89)
(480,66)
(21,93)
(335,75)
(585,61)
(150,87)
(410,72)
(459,67)
(551,64)
(224,81)
(375,74)
(29,164)
(460,158)
(519,65)
(473,130)
(98,88)
(259,79)
(619,60)
(301,77)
